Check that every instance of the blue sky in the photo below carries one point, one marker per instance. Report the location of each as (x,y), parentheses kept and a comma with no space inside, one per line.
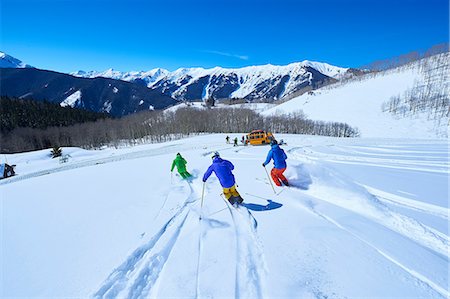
(68,35)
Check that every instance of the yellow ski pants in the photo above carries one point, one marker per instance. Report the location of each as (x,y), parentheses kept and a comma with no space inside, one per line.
(229,192)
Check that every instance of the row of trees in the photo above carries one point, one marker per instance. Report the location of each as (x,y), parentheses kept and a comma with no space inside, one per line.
(429,95)
(158,126)
(381,65)
(435,58)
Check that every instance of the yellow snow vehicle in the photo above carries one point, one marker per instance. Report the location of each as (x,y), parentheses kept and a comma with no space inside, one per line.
(259,137)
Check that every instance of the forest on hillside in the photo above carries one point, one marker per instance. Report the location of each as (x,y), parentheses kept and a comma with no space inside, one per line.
(159,126)
(25,113)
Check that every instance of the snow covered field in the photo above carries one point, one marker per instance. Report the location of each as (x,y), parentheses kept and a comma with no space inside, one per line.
(364,218)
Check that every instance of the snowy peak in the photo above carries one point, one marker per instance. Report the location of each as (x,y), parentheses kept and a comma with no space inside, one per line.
(125,76)
(263,82)
(327,69)
(7,61)
(252,82)
(144,77)
(261,70)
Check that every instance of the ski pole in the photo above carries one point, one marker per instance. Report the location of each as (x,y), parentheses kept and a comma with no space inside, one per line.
(226,201)
(201,203)
(217,212)
(270,181)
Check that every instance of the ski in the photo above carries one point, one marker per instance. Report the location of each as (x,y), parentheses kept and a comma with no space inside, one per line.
(264,181)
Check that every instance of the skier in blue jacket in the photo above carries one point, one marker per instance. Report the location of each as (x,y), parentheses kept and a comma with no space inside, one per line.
(279,161)
(223,170)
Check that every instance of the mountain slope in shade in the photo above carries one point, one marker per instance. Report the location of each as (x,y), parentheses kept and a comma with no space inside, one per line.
(98,94)
(7,61)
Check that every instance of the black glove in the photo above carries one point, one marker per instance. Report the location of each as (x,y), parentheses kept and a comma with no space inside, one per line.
(264,165)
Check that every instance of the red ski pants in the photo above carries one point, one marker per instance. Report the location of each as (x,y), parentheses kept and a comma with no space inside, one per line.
(277,176)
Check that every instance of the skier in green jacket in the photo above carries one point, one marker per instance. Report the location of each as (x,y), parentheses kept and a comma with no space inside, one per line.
(180,162)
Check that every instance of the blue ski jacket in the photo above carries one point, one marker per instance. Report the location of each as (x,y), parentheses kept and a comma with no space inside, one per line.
(278,155)
(222,168)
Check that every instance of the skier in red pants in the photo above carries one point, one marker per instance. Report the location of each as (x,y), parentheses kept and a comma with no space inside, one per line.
(279,161)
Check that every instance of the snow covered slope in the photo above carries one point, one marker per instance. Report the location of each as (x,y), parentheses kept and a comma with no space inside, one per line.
(265,81)
(7,61)
(359,103)
(365,218)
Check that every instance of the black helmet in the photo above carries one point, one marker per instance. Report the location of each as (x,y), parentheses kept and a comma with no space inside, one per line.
(216,154)
(273,142)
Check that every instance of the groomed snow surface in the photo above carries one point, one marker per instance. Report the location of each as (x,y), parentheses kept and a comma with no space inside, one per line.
(364,218)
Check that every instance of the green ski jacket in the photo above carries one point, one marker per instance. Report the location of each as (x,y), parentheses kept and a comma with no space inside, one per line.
(180,162)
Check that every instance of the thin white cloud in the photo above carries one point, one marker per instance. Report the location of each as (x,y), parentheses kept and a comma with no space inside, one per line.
(242,57)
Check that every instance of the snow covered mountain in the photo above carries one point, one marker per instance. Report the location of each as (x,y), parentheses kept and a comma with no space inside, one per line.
(7,61)
(253,82)
(149,76)
(409,101)
(267,82)
(364,218)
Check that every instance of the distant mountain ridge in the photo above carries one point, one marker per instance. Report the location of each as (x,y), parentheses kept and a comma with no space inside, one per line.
(254,82)
(121,93)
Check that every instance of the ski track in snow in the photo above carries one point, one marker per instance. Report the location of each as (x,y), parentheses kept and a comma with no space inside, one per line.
(149,273)
(406,226)
(199,257)
(357,159)
(419,277)
(361,201)
(92,162)
(139,273)
(250,263)
(137,276)
(409,203)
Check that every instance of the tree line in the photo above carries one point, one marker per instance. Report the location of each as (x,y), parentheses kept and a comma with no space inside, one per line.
(430,95)
(382,65)
(159,126)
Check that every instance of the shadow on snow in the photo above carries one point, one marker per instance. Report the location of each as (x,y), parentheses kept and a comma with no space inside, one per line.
(272,205)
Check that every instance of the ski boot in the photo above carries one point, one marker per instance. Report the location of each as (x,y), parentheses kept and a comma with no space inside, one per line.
(236,200)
